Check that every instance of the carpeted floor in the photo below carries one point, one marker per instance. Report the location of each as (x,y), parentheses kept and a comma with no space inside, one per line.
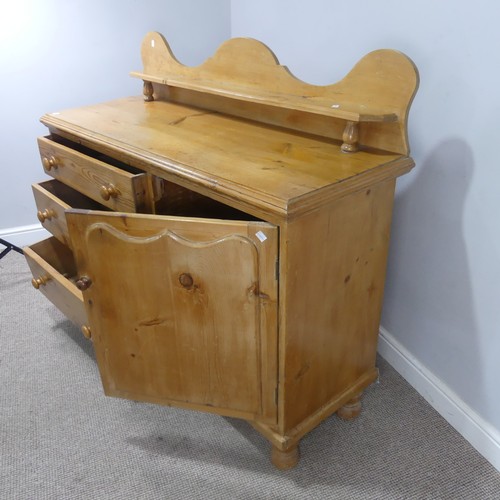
(61,438)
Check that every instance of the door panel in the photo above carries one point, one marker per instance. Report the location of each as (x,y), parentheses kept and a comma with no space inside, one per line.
(182,310)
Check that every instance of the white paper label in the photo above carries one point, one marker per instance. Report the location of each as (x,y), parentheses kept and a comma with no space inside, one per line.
(262,237)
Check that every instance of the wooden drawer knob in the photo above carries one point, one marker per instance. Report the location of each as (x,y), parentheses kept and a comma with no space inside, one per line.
(86,332)
(46,214)
(40,281)
(49,162)
(83,283)
(108,192)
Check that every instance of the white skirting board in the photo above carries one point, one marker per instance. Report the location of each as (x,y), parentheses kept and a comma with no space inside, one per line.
(23,235)
(481,435)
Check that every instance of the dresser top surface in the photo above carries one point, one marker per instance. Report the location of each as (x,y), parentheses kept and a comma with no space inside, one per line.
(273,167)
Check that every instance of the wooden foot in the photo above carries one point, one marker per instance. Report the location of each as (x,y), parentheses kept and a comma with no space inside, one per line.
(351,409)
(285,459)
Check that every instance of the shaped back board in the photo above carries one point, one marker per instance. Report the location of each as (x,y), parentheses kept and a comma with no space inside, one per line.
(367,108)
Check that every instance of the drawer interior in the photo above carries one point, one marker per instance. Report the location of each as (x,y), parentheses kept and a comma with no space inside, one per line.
(94,154)
(58,256)
(70,196)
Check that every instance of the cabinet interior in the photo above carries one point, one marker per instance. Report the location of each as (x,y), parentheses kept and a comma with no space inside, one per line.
(183,202)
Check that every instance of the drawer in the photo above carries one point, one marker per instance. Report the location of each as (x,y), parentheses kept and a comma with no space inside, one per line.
(52,198)
(54,274)
(120,187)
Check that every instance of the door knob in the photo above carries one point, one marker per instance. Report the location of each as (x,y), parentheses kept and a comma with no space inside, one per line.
(83,283)
(86,332)
(186,280)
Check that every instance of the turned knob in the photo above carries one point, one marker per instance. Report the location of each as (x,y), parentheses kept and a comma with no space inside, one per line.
(86,332)
(49,162)
(186,280)
(108,192)
(40,281)
(46,214)
(83,283)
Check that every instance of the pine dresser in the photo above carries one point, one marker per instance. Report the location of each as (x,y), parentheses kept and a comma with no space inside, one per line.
(222,239)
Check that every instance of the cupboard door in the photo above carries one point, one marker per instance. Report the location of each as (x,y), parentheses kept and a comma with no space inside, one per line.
(182,311)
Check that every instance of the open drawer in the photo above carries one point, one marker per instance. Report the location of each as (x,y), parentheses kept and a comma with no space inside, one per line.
(52,199)
(54,274)
(114,184)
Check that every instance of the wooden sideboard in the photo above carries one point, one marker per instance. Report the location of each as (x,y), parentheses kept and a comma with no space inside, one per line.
(222,239)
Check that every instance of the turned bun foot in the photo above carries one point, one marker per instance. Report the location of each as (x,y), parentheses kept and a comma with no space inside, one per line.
(285,459)
(351,409)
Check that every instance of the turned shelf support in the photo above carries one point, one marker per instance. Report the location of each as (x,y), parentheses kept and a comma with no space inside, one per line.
(350,137)
(147,90)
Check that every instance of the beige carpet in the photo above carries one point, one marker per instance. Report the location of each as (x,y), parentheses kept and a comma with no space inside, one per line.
(61,438)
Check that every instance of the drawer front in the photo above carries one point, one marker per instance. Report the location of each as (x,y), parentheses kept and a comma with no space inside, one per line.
(113,187)
(54,272)
(52,198)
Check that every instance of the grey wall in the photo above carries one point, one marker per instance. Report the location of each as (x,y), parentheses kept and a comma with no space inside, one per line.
(57,54)
(442,300)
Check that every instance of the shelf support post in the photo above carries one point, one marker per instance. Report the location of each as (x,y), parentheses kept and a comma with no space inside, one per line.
(350,137)
(147,90)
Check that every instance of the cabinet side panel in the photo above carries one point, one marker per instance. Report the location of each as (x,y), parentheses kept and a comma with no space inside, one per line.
(335,263)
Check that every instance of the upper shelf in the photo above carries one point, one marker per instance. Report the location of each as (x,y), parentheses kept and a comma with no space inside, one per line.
(369,107)
(311,104)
